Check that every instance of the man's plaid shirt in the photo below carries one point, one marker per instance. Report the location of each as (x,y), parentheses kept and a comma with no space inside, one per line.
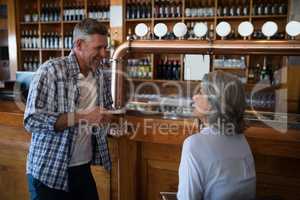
(55,90)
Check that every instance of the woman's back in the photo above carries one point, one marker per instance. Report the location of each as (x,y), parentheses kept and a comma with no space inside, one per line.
(216,167)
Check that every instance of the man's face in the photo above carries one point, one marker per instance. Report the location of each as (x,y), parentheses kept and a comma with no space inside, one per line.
(93,50)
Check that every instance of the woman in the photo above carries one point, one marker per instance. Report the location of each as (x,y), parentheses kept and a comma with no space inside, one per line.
(217,163)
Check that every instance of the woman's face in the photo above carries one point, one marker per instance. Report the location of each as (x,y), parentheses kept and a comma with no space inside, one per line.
(202,106)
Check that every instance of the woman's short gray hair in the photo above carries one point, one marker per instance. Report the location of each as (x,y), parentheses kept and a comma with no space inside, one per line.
(226,97)
(88,27)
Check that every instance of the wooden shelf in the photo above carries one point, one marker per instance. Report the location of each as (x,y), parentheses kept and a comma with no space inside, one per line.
(138,20)
(30,49)
(268,16)
(71,22)
(54,22)
(29,23)
(233,17)
(168,19)
(51,49)
(199,18)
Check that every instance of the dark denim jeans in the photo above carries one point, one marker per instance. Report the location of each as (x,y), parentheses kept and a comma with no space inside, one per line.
(81,186)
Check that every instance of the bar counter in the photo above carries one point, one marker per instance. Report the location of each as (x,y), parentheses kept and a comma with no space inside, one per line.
(146,161)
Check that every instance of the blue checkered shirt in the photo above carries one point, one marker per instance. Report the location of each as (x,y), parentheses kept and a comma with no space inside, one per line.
(55,90)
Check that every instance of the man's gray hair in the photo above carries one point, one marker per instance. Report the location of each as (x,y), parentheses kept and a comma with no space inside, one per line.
(88,27)
(226,97)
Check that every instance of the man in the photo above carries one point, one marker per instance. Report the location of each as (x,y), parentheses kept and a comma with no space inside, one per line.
(64,93)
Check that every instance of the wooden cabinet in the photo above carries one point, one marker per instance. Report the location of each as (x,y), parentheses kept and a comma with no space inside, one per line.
(45,28)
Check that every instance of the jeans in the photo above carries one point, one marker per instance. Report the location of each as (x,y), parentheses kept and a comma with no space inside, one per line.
(81,186)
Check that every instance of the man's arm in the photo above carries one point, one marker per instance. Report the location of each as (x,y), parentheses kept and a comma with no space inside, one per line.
(95,115)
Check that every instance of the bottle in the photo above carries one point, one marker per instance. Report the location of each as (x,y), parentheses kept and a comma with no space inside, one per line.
(220,9)
(29,64)
(26,39)
(70,40)
(128,10)
(274,9)
(159,72)
(25,64)
(211,32)
(149,10)
(43,41)
(172,10)
(161,10)
(34,39)
(156,9)
(50,13)
(187,10)
(35,64)
(238,11)
(257,72)
(264,74)
(29,39)
(46,15)
(232,10)
(267,9)
(225,11)
(167,9)
(178,8)
(107,10)
(178,67)
(22,39)
(143,9)
(42,17)
(260,9)
(251,76)
(129,35)
(168,67)
(47,38)
(245,11)
(149,68)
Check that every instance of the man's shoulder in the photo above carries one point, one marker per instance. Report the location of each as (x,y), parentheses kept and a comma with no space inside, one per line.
(55,66)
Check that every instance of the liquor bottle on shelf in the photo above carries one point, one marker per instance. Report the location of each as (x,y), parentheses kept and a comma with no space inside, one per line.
(130,36)
(282,9)
(128,9)
(211,32)
(68,40)
(29,39)
(245,9)
(30,64)
(251,76)
(35,40)
(178,8)
(267,8)
(139,68)
(50,40)
(257,72)
(187,10)
(168,69)
(35,14)
(266,72)
(66,14)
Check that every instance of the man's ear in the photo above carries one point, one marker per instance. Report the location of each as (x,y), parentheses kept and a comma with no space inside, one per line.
(78,44)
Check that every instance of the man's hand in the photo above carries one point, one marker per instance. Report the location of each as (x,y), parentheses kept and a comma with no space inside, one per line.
(94,115)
